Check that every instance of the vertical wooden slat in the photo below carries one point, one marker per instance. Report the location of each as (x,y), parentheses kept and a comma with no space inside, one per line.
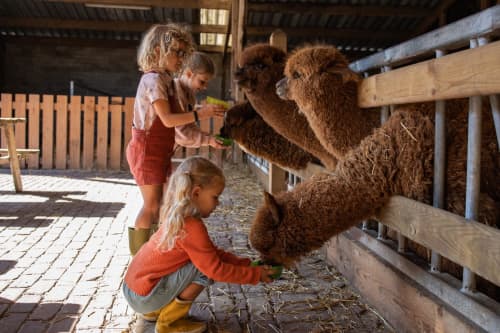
(217,125)
(102,132)
(47,152)
(20,112)
(205,127)
(61,131)
(128,110)
(75,112)
(33,130)
(116,137)
(6,112)
(88,132)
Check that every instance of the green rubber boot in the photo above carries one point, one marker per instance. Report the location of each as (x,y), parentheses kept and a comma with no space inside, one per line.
(136,238)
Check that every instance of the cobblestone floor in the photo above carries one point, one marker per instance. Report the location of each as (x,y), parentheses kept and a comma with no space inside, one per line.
(63,254)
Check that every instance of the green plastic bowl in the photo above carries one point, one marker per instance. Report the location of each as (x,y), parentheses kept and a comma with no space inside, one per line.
(277,268)
(225,141)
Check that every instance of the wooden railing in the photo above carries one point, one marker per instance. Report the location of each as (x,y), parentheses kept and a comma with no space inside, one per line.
(80,132)
(467,73)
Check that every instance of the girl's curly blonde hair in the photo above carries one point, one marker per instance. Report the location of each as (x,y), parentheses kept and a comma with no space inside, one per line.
(162,36)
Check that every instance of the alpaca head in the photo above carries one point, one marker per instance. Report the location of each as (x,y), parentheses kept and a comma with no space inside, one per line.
(235,117)
(315,72)
(259,68)
(270,239)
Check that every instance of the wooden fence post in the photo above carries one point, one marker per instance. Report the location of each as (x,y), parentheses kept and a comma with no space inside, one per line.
(277,176)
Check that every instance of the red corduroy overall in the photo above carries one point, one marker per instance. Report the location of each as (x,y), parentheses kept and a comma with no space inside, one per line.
(150,151)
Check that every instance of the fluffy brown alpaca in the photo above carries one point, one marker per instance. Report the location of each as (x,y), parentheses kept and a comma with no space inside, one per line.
(260,67)
(249,130)
(376,162)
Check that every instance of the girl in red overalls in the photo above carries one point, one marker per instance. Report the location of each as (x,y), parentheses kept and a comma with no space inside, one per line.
(156,113)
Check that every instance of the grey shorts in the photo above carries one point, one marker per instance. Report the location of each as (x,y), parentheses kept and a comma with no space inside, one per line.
(169,287)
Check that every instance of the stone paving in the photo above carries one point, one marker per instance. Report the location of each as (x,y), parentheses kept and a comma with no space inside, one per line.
(63,254)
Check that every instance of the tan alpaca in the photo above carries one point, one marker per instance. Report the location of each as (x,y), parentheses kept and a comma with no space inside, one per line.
(375,163)
(250,131)
(260,67)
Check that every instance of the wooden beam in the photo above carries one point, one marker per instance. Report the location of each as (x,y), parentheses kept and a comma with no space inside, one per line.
(466,73)
(211,4)
(212,48)
(468,243)
(83,42)
(130,26)
(344,34)
(407,296)
(339,10)
(432,17)
(276,175)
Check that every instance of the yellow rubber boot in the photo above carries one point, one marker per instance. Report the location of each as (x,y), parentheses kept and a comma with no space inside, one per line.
(151,316)
(136,238)
(171,319)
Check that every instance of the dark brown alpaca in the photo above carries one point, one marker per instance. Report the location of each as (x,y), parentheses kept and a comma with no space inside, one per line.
(376,162)
(260,67)
(250,131)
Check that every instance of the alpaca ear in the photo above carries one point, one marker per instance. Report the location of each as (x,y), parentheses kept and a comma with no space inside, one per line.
(273,207)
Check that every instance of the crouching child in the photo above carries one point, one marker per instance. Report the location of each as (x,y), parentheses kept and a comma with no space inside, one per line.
(180,260)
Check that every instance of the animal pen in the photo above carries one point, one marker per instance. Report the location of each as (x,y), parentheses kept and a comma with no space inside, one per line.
(410,296)
(74,132)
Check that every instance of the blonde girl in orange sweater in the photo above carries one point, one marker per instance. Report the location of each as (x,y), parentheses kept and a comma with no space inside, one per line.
(179,260)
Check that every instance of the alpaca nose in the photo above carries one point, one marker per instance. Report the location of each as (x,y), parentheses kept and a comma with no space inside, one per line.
(282,88)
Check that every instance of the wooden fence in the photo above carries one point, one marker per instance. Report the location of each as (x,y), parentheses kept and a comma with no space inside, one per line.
(75,132)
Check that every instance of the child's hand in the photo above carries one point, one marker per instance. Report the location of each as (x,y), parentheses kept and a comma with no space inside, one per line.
(211,110)
(216,143)
(266,275)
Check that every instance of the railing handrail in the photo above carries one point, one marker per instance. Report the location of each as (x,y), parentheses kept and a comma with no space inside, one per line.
(452,36)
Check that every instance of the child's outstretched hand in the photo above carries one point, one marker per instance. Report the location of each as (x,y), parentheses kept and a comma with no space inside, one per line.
(211,110)
(267,272)
(217,143)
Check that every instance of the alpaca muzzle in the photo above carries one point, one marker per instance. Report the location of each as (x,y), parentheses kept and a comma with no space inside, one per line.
(282,88)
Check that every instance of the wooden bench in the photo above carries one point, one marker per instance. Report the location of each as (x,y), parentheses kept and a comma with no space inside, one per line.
(13,154)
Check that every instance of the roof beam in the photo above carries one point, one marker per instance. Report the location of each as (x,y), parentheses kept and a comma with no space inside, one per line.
(211,4)
(84,42)
(130,26)
(331,33)
(339,10)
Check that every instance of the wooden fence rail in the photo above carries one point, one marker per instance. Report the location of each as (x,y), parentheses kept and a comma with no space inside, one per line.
(80,132)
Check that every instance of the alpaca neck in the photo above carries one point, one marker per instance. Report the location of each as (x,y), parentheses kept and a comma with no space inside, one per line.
(267,104)
(342,124)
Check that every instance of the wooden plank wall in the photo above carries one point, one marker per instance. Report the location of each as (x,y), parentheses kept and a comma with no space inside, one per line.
(75,132)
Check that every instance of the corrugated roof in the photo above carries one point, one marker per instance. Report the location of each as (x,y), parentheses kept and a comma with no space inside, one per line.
(362,26)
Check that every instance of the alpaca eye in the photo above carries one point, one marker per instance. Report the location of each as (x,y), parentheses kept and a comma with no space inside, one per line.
(260,66)
(296,75)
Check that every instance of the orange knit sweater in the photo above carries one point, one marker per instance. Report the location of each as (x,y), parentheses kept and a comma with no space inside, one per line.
(150,264)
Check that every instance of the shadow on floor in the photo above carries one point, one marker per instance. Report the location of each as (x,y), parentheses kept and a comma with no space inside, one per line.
(53,205)
(35,317)
(6,265)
